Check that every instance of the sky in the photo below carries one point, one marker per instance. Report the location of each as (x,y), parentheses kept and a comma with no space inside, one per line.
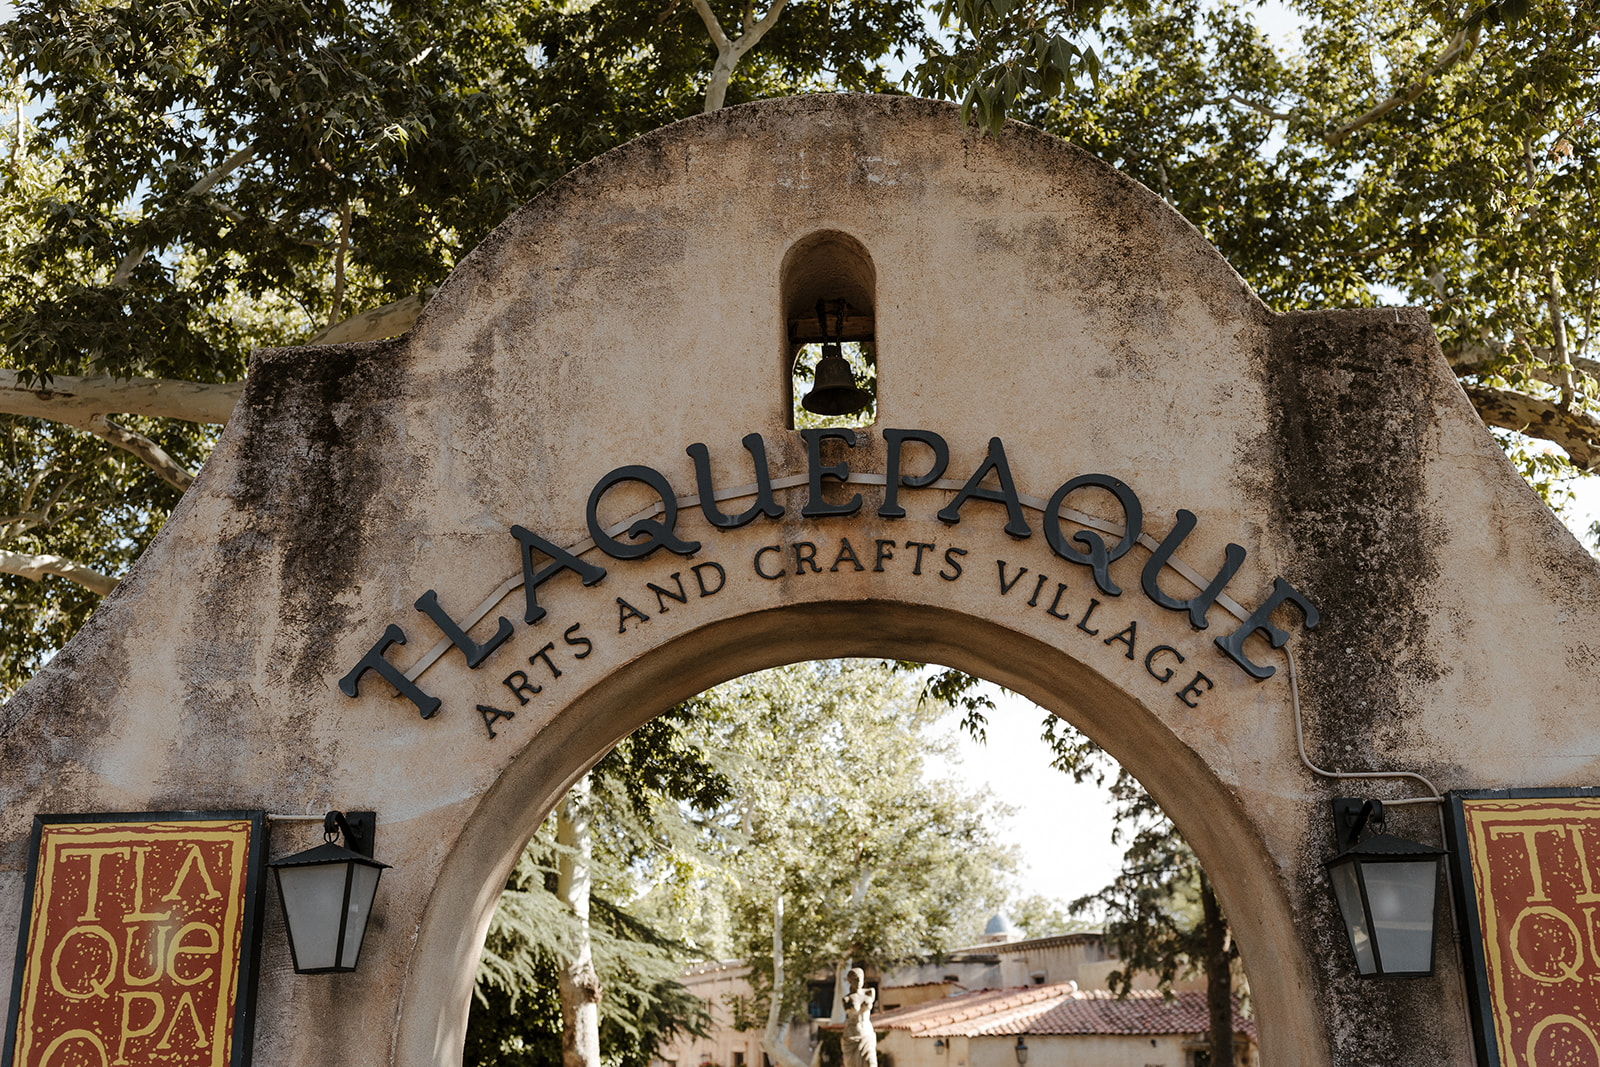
(1063,830)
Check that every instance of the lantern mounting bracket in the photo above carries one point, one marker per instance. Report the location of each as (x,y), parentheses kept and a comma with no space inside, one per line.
(358,827)
(1350,817)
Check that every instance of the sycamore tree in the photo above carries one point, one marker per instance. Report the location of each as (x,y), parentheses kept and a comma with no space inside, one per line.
(785,817)
(1444,154)
(184,181)
(580,964)
(841,851)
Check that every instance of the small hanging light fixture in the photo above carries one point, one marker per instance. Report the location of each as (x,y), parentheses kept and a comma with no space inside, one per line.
(327,895)
(1387,889)
(833,389)
(1022,1052)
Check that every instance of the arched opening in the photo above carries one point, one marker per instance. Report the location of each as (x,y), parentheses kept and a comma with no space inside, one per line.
(907,820)
(432,1024)
(828,293)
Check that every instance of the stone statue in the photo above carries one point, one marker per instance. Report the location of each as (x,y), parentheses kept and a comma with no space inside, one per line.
(859,1043)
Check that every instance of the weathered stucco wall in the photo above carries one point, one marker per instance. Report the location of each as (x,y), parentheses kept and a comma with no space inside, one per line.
(1023,291)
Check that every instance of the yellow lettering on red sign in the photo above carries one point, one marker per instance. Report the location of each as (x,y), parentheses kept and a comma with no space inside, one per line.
(1537,906)
(134,944)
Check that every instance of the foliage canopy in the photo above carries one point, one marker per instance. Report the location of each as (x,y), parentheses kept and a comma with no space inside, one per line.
(191,179)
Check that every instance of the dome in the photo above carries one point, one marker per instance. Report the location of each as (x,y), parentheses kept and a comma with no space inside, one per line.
(999,928)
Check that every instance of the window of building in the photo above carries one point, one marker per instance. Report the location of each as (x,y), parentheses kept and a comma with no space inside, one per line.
(820,1003)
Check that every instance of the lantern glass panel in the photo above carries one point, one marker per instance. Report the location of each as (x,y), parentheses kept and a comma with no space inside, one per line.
(363,888)
(313,900)
(1348,893)
(1401,897)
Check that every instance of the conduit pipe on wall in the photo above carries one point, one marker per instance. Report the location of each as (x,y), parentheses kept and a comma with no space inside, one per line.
(1435,798)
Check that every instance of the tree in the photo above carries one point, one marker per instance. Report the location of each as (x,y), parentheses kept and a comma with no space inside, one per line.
(1036,915)
(994,56)
(1443,154)
(516,1018)
(783,816)
(838,850)
(573,963)
(189,181)
(1161,915)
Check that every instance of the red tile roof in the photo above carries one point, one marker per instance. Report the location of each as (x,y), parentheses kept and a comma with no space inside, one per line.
(1056,1009)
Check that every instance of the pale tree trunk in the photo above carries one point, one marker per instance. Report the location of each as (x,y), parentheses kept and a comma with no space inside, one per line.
(731,50)
(336,312)
(777,1026)
(86,403)
(579,984)
(1219,977)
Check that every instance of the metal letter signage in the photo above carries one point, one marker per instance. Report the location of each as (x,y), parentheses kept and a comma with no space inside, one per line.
(1528,893)
(645,533)
(139,941)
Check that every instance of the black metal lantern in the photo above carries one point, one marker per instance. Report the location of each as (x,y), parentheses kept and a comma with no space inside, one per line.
(1387,888)
(1022,1051)
(327,895)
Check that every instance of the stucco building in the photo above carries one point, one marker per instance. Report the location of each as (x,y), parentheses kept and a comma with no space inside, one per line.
(968,1008)
(1056,1025)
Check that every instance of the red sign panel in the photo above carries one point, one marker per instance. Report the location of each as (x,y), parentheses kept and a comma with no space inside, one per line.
(1530,868)
(138,942)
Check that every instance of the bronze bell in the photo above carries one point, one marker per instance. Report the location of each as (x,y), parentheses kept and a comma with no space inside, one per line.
(834,390)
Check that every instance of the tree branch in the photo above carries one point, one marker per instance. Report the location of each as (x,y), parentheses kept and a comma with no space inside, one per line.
(36,568)
(84,403)
(752,36)
(136,254)
(713,27)
(730,52)
(1487,359)
(21,127)
(153,455)
(338,264)
(390,320)
(28,517)
(1574,432)
(1458,47)
(75,401)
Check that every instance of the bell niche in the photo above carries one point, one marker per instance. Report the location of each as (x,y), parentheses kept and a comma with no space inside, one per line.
(828,347)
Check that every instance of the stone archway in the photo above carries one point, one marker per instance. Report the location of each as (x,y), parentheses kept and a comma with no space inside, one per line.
(1039,319)
(449,941)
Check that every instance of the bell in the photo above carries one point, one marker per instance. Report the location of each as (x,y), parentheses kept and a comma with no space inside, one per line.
(834,390)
